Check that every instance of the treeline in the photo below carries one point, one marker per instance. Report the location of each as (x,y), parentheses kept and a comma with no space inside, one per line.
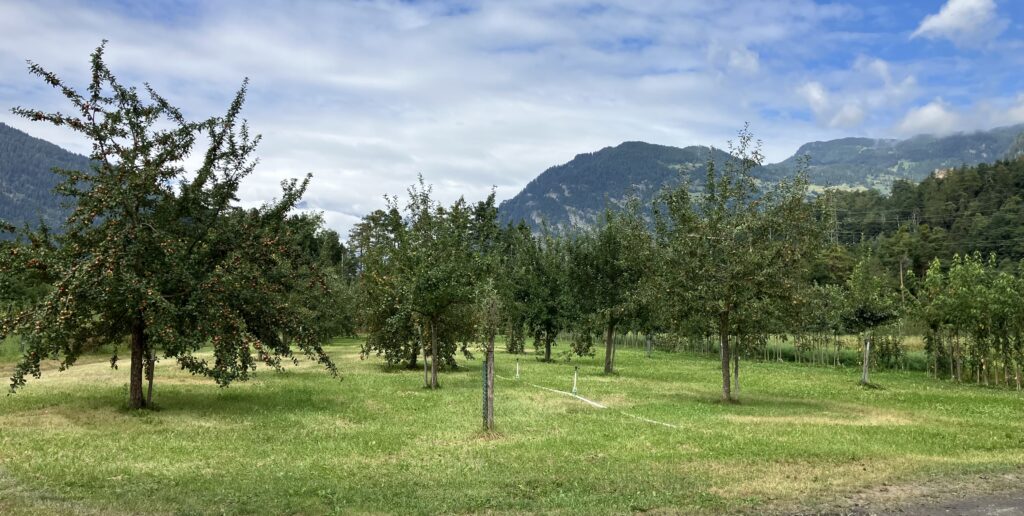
(725,272)
(732,262)
(960,211)
(973,315)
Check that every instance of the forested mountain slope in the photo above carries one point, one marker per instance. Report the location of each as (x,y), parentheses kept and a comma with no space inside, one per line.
(970,209)
(27,180)
(576,192)
(875,163)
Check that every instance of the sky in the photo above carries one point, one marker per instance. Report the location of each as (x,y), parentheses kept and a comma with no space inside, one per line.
(475,95)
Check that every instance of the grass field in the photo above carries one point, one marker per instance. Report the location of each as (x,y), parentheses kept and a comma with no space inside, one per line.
(376,441)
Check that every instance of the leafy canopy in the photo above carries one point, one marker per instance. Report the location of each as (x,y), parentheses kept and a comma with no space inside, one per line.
(159,252)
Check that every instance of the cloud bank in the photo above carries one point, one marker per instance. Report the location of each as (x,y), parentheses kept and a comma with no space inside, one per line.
(481,94)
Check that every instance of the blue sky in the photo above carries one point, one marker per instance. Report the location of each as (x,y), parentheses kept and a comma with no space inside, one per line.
(475,94)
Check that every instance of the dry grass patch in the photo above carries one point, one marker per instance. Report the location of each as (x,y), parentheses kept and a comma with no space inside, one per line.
(823,419)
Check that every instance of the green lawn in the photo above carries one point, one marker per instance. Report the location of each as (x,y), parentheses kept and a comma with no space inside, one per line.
(376,441)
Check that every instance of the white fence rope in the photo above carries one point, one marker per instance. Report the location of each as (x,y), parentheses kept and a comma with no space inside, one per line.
(595,404)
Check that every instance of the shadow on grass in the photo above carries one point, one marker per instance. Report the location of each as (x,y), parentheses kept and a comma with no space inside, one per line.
(405,368)
(871,386)
(767,404)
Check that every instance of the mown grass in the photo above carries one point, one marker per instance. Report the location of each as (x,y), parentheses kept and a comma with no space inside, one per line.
(376,441)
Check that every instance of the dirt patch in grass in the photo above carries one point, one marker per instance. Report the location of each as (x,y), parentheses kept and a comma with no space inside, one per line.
(966,494)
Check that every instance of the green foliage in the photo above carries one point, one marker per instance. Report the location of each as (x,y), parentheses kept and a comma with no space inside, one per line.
(974,319)
(545,291)
(870,300)
(607,267)
(515,283)
(420,277)
(736,254)
(160,254)
(338,265)
(971,209)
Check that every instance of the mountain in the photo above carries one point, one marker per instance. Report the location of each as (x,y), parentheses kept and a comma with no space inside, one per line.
(872,163)
(1017,150)
(27,180)
(575,193)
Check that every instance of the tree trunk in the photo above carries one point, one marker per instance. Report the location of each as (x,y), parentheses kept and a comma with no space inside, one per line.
(433,356)
(150,365)
(723,335)
(959,362)
(426,373)
(649,343)
(615,348)
(952,366)
(489,387)
(547,348)
(736,374)
(839,349)
(867,362)
(609,348)
(135,399)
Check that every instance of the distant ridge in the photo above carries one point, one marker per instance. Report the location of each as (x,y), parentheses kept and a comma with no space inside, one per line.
(574,193)
(27,180)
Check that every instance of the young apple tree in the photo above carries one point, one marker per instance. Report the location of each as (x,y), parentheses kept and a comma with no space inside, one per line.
(736,247)
(607,268)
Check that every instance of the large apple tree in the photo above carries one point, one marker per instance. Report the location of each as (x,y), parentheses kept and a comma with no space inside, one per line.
(158,255)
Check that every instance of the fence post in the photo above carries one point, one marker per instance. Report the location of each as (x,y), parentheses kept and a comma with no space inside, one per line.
(575,372)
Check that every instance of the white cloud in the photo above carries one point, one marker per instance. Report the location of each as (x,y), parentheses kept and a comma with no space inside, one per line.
(939,117)
(1015,114)
(830,113)
(737,59)
(963,21)
(849,115)
(816,96)
(744,60)
(366,95)
(856,93)
(932,118)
